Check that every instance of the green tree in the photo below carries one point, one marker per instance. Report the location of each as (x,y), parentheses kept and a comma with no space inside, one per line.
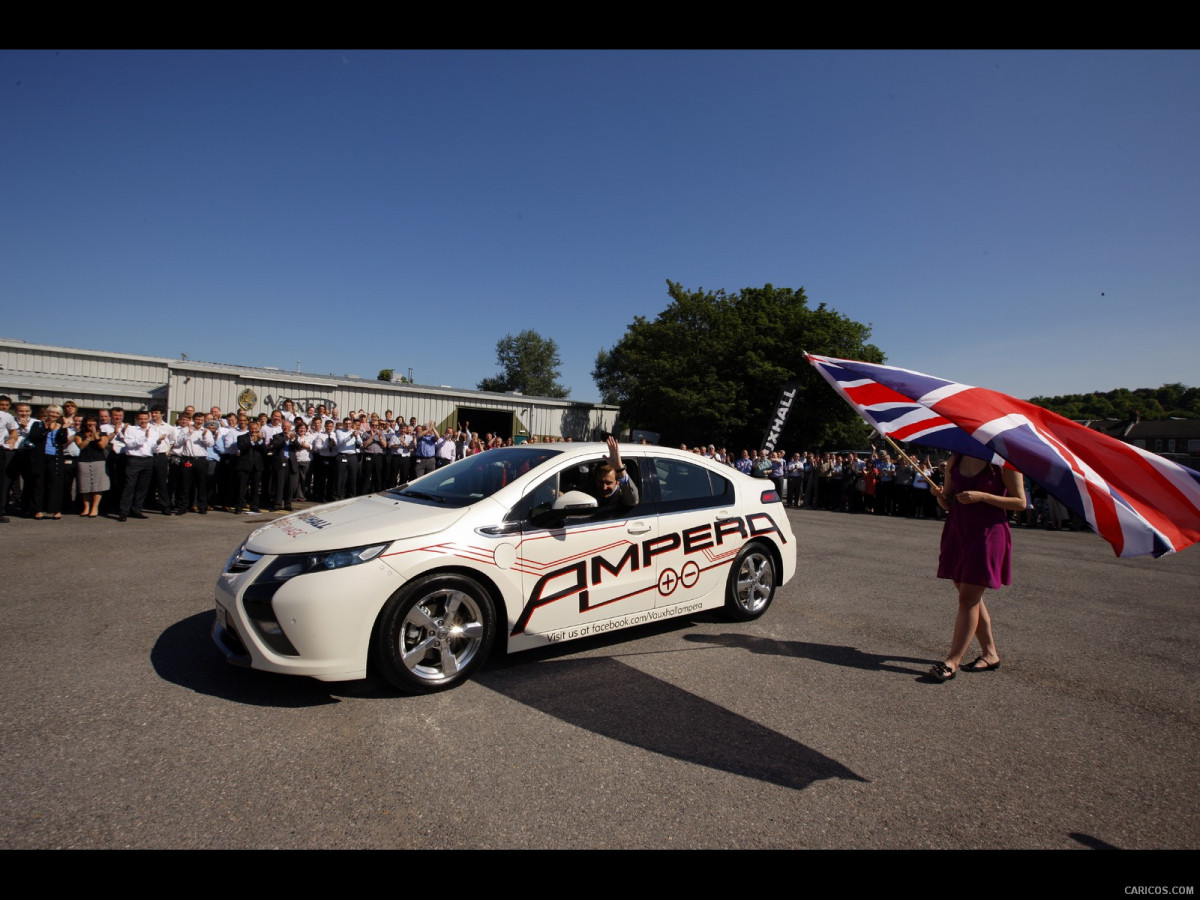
(385,375)
(711,365)
(1170,400)
(529,364)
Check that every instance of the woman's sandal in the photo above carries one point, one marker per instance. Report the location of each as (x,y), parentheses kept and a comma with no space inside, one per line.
(974,666)
(942,672)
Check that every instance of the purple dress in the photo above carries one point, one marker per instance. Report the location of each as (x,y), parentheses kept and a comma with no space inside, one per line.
(976,542)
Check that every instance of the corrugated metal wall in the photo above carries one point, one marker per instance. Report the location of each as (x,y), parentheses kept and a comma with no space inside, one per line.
(100,378)
(33,358)
(204,388)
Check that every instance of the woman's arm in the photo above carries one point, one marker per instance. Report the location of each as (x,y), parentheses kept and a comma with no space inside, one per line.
(1016,493)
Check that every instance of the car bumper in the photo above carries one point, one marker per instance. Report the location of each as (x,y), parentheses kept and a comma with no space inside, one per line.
(318,624)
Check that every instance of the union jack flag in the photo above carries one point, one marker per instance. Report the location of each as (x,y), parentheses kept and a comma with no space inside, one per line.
(1138,502)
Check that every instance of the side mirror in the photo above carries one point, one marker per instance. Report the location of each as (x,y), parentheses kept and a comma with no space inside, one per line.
(575,503)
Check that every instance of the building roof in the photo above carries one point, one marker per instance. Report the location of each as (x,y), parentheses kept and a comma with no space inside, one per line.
(1127,430)
(80,386)
(302,378)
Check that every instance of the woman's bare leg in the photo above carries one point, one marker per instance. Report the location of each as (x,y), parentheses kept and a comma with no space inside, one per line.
(971,616)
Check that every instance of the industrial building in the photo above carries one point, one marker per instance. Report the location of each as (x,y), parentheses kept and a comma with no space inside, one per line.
(40,374)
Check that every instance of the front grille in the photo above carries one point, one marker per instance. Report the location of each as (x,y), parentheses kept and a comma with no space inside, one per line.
(256,601)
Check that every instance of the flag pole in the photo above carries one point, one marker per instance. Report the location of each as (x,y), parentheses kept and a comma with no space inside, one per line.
(912,462)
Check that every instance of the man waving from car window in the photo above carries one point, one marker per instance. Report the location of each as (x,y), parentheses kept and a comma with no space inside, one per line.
(614,488)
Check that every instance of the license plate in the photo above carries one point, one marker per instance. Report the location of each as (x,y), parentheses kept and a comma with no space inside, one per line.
(221,616)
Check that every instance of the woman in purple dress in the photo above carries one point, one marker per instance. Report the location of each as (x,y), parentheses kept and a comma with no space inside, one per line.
(976,552)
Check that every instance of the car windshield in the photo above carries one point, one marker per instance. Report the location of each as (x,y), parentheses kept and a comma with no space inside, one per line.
(480,475)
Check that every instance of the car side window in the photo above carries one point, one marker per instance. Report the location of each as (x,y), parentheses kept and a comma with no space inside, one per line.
(536,504)
(683,485)
(619,510)
(541,499)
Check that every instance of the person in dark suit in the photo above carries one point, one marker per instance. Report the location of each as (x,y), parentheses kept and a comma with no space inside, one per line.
(615,491)
(281,453)
(251,452)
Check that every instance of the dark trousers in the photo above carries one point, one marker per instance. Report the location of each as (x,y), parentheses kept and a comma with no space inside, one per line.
(324,478)
(346,477)
(810,489)
(115,465)
(162,491)
(372,472)
(227,480)
(794,490)
(249,485)
(303,488)
(68,481)
(7,461)
(404,472)
(193,479)
(138,472)
(283,483)
(46,485)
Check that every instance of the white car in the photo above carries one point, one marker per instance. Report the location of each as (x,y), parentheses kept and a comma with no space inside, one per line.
(419,579)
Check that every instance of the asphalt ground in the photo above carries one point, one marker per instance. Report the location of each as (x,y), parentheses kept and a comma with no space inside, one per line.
(810,728)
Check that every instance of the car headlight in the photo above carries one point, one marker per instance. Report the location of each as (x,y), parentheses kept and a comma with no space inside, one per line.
(242,559)
(290,566)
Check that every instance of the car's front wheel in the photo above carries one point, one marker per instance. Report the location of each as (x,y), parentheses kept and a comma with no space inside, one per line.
(434,633)
(751,584)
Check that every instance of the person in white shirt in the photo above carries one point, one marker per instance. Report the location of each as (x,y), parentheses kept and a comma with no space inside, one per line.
(408,446)
(9,435)
(304,456)
(139,442)
(446,448)
(114,463)
(227,449)
(193,440)
(347,442)
(164,437)
(19,466)
(273,426)
(325,472)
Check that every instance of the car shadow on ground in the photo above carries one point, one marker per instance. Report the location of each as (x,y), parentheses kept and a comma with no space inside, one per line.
(610,698)
(600,694)
(185,655)
(833,654)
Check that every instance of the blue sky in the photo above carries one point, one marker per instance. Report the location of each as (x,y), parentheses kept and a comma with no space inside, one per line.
(1026,221)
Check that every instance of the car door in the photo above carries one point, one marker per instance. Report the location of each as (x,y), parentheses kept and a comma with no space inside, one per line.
(583,570)
(700,533)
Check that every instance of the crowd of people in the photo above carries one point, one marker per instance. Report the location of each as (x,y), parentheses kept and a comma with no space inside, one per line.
(843,482)
(877,482)
(126,465)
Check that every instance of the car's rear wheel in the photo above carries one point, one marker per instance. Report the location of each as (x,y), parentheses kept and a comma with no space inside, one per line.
(434,633)
(751,584)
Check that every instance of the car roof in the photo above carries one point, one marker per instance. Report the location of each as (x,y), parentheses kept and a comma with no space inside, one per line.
(598,448)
